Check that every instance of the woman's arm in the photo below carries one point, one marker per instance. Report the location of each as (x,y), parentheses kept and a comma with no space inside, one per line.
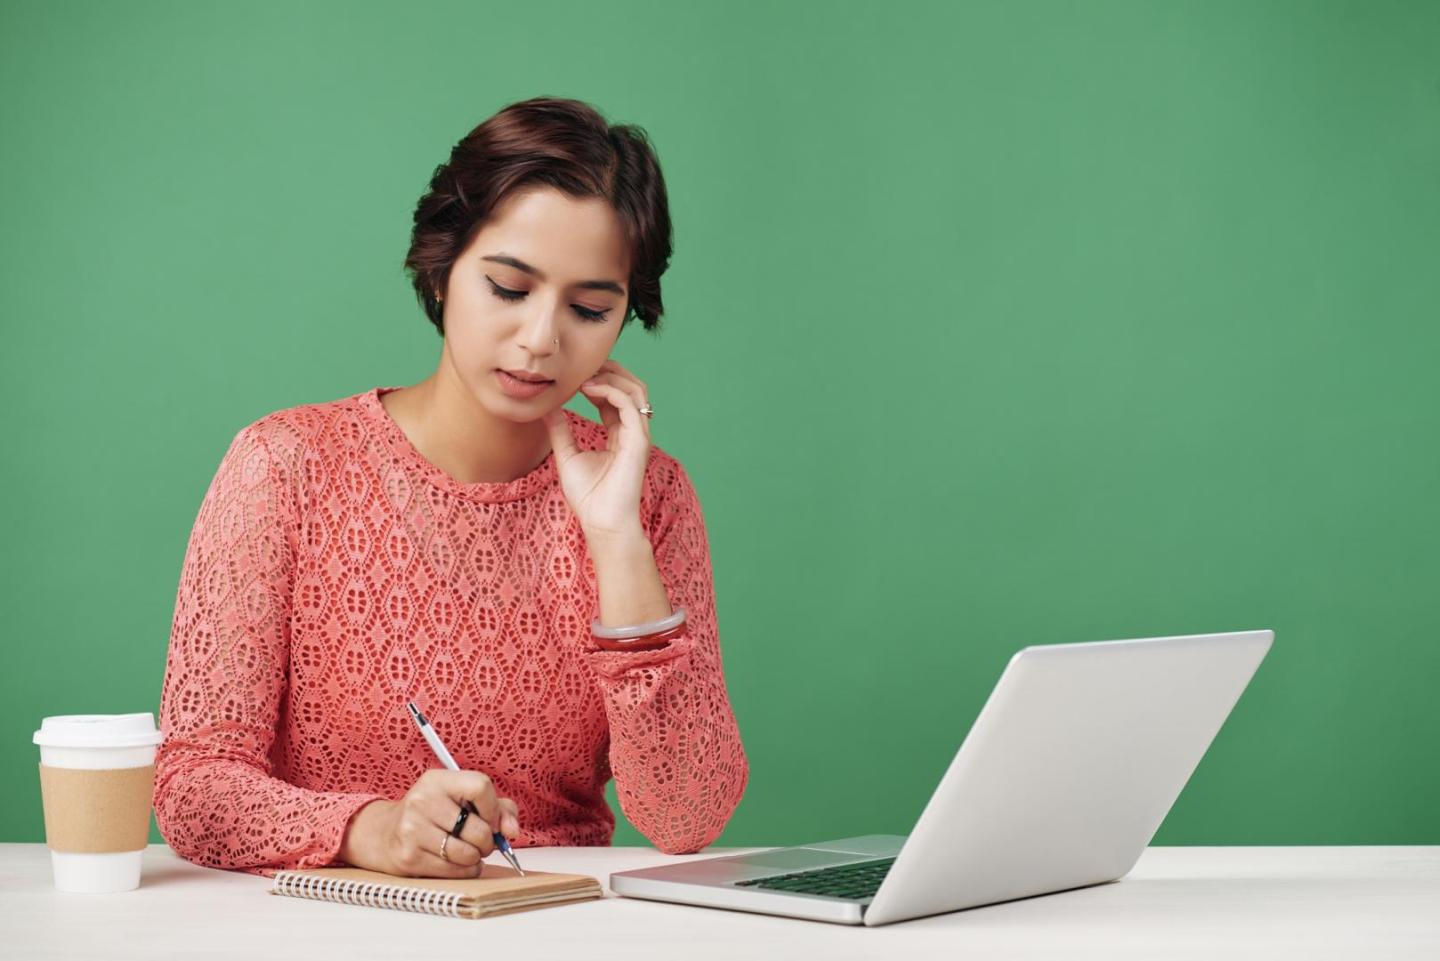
(628,579)
(680,768)
(215,801)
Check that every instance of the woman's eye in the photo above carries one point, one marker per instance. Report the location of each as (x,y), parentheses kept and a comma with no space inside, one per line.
(506,294)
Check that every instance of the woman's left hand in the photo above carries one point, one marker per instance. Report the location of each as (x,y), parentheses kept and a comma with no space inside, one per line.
(603,486)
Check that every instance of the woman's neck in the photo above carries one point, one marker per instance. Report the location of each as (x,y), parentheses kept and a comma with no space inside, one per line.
(451,429)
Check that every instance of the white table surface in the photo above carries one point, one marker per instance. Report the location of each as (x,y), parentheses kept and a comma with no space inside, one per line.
(1178,902)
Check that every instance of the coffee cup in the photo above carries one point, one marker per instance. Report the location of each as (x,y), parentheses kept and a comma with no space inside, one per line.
(97,775)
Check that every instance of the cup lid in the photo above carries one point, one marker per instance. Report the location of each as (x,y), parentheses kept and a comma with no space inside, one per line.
(98,730)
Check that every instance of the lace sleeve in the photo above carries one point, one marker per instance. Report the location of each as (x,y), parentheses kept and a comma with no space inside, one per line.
(679,765)
(215,800)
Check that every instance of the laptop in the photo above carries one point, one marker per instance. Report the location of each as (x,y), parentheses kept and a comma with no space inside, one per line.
(1067,772)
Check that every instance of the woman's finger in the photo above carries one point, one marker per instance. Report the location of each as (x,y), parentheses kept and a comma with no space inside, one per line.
(460,855)
(628,409)
(459,787)
(616,373)
(609,413)
(610,420)
(628,384)
(480,833)
(477,831)
(510,819)
(615,365)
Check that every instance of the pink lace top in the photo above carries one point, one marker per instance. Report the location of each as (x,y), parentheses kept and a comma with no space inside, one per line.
(333,572)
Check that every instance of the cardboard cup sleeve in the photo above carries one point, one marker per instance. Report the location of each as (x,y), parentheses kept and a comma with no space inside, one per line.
(97,811)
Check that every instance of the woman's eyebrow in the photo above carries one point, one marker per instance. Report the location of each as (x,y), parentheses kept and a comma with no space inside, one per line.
(522,265)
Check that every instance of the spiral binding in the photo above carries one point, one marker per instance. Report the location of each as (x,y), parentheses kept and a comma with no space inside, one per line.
(368,893)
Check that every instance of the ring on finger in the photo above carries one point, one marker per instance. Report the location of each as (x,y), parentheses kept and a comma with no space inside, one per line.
(443,855)
(460,822)
(643,406)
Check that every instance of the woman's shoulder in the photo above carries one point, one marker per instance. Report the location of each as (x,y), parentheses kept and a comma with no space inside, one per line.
(286,433)
(327,427)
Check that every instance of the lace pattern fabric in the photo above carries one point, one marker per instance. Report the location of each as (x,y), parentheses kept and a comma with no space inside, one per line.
(333,572)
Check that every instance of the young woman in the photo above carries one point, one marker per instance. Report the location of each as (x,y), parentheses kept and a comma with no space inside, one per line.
(539,584)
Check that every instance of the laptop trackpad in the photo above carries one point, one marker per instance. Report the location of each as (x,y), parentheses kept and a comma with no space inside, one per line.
(791,858)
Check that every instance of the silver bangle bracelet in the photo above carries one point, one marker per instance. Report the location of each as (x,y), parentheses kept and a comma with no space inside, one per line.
(638,630)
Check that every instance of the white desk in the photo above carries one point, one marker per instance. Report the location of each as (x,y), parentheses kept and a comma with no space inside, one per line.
(1230,903)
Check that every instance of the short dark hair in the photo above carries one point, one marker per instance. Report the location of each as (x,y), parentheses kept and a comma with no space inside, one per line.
(566,144)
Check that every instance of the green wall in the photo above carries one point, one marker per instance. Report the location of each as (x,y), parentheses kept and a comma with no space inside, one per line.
(1163,276)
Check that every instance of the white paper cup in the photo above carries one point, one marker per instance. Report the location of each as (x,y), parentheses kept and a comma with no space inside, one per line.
(97,772)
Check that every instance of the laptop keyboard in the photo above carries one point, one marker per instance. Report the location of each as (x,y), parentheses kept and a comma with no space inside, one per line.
(854,882)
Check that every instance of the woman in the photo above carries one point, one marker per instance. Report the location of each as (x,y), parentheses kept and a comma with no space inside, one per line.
(539,584)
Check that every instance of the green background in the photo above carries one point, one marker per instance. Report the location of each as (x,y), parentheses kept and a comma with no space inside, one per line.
(1159,279)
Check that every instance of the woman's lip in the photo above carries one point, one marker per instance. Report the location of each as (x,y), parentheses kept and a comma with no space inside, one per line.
(515,387)
(527,380)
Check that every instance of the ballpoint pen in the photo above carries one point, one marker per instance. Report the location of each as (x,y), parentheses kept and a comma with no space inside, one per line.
(438,746)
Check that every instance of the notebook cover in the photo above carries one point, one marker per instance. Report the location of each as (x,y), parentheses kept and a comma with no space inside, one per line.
(498,890)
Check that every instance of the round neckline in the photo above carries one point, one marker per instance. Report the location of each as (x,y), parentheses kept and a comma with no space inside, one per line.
(405,453)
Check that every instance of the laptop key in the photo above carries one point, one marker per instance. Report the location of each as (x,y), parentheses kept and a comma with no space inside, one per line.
(845,881)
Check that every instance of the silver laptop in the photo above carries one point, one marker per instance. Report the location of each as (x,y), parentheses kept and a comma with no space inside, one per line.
(1064,778)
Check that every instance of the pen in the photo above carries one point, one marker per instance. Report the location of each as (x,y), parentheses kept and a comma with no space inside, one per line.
(438,746)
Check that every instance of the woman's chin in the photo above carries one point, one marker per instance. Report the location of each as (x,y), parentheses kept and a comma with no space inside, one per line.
(519,411)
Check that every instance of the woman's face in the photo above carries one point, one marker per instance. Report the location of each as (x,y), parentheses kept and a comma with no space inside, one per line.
(499,315)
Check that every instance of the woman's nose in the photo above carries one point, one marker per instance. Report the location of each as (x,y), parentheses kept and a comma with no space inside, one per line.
(541,334)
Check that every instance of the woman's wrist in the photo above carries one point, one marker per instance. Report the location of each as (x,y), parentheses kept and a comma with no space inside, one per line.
(362,844)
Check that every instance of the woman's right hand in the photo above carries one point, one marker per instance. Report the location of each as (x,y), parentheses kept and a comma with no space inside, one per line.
(403,837)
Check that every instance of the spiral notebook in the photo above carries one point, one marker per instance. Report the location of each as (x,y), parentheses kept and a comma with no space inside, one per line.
(498,890)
